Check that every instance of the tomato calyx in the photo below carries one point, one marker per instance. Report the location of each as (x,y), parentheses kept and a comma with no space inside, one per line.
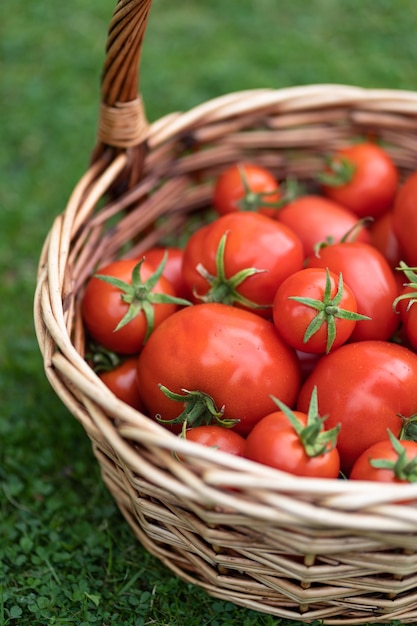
(314,438)
(338,171)
(199,409)
(409,428)
(139,295)
(256,200)
(328,310)
(223,289)
(101,359)
(402,468)
(411,296)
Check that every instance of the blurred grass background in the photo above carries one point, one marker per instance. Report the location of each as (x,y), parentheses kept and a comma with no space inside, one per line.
(65,554)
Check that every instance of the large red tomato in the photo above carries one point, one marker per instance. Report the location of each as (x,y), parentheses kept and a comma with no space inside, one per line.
(365,386)
(362,177)
(224,357)
(316,219)
(371,279)
(241,259)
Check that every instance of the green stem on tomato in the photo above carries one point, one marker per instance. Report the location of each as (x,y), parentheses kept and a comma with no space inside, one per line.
(339,171)
(139,295)
(315,439)
(253,201)
(411,296)
(402,467)
(328,310)
(224,289)
(199,408)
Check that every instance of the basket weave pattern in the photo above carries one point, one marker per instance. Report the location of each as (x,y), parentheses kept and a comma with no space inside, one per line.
(296,548)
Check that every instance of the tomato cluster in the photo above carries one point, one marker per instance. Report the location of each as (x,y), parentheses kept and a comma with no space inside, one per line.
(284,329)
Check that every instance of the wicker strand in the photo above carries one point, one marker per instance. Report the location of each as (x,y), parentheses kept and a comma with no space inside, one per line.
(123,125)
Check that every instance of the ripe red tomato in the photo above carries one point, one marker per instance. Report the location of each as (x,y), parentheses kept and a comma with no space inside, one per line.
(283,440)
(404,219)
(365,386)
(362,177)
(251,242)
(122,381)
(103,307)
(316,219)
(390,461)
(372,281)
(314,310)
(217,437)
(233,356)
(246,187)
(173,268)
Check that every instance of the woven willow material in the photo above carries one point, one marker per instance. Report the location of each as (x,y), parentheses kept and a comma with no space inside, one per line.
(296,548)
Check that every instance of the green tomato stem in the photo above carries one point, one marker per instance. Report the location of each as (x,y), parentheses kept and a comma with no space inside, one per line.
(327,310)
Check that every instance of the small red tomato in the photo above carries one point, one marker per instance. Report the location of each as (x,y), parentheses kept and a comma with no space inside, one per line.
(362,177)
(283,439)
(315,311)
(173,268)
(372,281)
(246,187)
(389,460)
(124,302)
(217,437)
(240,259)
(316,219)
(122,381)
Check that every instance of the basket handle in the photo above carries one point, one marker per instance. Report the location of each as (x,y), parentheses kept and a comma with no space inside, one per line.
(122,124)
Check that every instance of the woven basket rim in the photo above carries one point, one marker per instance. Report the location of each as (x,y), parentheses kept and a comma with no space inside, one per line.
(172,125)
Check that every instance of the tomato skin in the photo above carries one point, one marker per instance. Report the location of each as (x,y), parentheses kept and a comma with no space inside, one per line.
(384,239)
(363,470)
(291,318)
(229,189)
(274,442)
(102,308)
(365,386)
(315,218)
(253,241)
(372,281)
(122,381)
(235,356)
(404,219)
(373,186)
(218,437)
(173,268)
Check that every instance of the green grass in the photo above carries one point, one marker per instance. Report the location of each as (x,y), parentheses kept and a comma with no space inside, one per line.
(66,555)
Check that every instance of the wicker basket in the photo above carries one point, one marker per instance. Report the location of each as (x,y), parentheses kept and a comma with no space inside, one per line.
(296,548)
